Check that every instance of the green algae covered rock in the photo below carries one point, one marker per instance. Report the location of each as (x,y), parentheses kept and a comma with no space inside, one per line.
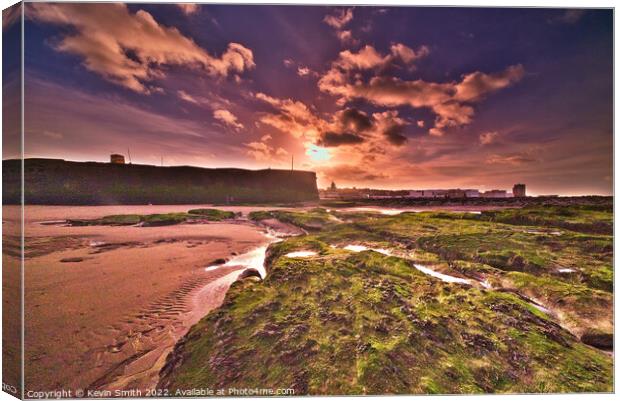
(366,323)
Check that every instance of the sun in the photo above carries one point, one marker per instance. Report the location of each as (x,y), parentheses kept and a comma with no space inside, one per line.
(317,153)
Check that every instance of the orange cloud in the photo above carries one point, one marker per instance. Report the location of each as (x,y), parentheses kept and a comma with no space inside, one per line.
(130,49)
(187,97)
(512,159)
(407,54)
(450,101)
(262,152)
(349,134)
(477,84)
(340,19)
(227,118)
(487,138)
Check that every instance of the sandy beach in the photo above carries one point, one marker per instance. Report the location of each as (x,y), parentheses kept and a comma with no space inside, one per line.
(104,305)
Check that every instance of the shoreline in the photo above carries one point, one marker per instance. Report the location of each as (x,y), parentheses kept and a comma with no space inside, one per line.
(109,303)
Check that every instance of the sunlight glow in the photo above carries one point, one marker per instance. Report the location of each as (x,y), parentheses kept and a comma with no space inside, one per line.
(317,153)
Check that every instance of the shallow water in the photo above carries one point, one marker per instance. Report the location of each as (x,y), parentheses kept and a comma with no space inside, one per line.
(300,254)
(254,259)
(361,248)
(392,211)
(541,308)
(441,276)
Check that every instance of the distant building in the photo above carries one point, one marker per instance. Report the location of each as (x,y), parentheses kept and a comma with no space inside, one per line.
(332,192)
(495,193)
(117,159)
(443,193)
(416,194)
(518,191)
(435,193)
(456,193)
(472,193)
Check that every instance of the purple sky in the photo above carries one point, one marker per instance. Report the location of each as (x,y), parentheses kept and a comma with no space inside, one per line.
(366,96)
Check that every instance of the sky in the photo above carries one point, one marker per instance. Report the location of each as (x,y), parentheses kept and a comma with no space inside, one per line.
(406,97)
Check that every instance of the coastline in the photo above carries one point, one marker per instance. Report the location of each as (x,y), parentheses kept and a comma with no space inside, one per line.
(139,285)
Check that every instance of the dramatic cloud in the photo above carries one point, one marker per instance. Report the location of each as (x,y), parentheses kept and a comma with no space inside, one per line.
(384,113)
(352,126)
(292,117)
(391,127)
(131,49)
(368,58)
(357,120)
(188,8)
(450,101)
(329,139)
(349,127)
(227,118)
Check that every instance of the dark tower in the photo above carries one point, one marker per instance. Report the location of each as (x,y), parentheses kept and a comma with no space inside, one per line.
(518,191)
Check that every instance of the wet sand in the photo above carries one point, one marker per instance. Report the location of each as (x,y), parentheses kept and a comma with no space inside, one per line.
(11,301)
(104,305)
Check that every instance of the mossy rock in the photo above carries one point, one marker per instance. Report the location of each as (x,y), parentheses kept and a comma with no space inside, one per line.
(213,214)
(353,323)
(348,323)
